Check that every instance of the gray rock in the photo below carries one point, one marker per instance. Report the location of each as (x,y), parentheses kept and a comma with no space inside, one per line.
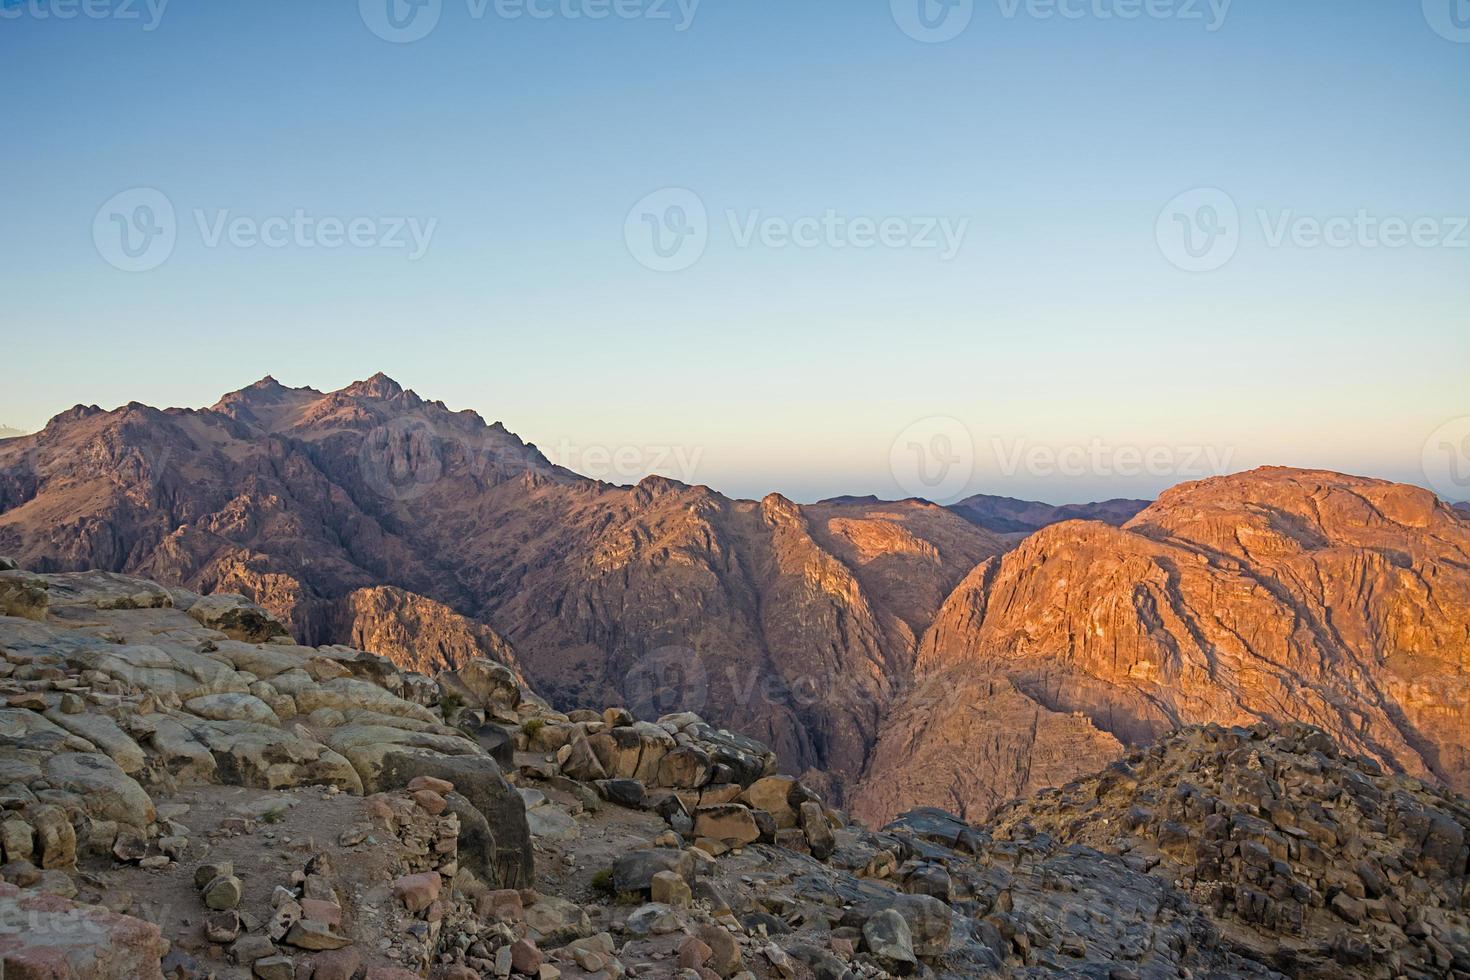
(886,935)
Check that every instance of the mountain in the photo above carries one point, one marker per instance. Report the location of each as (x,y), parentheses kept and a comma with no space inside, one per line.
(6,432)
(372,516)
(1277,595)
(1008,515)
(908,653)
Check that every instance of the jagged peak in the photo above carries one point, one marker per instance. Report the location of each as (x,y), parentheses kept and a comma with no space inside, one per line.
(378,386)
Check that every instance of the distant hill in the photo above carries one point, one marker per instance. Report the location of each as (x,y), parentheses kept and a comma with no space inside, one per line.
(1006,515)
(6,432)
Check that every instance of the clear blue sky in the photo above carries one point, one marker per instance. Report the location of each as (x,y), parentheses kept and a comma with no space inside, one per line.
(1060,323)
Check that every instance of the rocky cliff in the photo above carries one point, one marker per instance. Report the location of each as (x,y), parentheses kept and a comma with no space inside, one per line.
(1274,596)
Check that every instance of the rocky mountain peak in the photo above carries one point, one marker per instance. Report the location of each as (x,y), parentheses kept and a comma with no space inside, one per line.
(379,386)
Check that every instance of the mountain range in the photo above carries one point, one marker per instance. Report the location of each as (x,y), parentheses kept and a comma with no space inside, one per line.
(900,652)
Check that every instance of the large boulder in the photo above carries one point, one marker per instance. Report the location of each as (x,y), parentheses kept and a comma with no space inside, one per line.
(23,594)
(107,793)
(237,617)
(505,860)
(634,871)
(47,937)
(483,683)
(632,751)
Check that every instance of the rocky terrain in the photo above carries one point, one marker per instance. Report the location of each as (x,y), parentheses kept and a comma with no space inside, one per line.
(187,792)
(310,503)
(1278,595)
(892,653)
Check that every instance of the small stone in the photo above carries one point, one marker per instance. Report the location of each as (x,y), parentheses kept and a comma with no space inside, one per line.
(340,964)
(248,949)
(223,892)
(310,934)
(430,801)
(274,968)
(693,953)
(525,958)
(724,950)
(670,888)
(434,785)
(223,927)
(206,873)
(417,892)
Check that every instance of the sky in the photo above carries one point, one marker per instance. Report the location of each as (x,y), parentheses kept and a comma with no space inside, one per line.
(1056,249)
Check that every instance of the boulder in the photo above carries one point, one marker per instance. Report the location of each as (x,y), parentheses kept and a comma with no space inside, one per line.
(632,751)
(686,767)
(23,594)
(777,795)
(634,871)
(582,763)
(107,792)
(483,683)
(886,935)
(237,617)
(52,938)
(731,824)
(819,836)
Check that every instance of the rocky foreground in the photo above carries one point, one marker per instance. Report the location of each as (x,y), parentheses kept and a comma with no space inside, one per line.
(187,792)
